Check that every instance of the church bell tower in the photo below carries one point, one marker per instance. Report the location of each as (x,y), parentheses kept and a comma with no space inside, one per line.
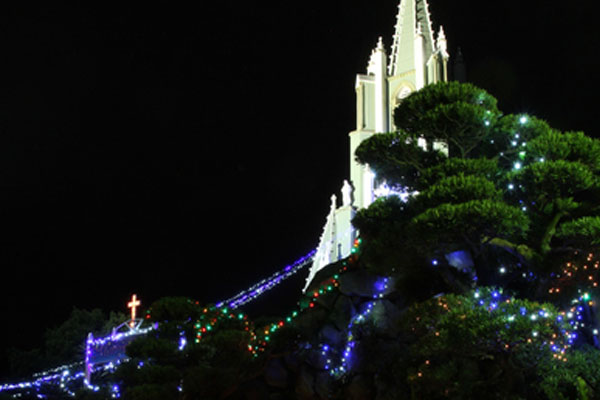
(416,59)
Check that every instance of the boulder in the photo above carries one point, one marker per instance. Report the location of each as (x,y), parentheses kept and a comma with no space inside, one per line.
(276,375)
(361,388)
(305,384)
(324,275)
(364,284)
(385,389)
(386,317)
(330,335)
(327,299)
(310,321)
(292,362)
(324,385)
(316,359)
(342,313)
(254,390)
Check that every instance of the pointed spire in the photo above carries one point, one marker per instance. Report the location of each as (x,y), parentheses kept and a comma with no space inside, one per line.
(411,15)
(333,202)
(441,34)
(378,56)
(442,43)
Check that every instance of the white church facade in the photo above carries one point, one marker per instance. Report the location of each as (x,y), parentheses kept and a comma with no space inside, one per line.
(418,57)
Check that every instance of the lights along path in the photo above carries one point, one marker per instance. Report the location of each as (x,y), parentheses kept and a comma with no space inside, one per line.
(63,377)
(338,360)
(252,293)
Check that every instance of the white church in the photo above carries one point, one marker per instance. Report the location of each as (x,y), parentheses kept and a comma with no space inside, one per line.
(418,57)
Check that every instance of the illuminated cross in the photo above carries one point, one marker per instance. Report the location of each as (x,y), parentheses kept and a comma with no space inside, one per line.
(133,304)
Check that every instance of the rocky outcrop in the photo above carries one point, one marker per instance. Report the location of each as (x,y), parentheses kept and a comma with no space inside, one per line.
(327,329)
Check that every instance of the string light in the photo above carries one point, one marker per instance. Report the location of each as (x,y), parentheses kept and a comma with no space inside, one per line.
(119,340)
(260,288)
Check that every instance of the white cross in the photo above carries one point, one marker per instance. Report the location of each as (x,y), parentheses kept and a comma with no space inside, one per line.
(133,304)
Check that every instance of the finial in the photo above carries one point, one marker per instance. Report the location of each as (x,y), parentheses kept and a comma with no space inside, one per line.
(333,202)
(441,43)
(380,44)
(441,35)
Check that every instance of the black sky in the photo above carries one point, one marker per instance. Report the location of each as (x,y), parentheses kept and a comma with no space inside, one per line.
(174,150)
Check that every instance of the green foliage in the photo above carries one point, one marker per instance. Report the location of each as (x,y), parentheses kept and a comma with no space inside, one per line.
(383,229)
(459,114)
(210,368)
(461,348)
(397,157)
(512,139)
(86,394)
(555,179)
(519,198)
(511,184)
(384,216)
(457,189)
(64,343)
(585,229)
(206,382)
(159,349)
(152,391)
(173,309)
(475,221)
(575,379)
(479,167)
(569,146)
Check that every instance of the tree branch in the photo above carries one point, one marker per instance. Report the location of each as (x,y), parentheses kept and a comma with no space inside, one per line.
(549,233)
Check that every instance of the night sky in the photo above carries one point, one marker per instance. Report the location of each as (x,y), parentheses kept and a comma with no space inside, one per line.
(169,150)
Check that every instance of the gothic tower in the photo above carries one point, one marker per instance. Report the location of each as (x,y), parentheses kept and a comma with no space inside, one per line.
(416,59)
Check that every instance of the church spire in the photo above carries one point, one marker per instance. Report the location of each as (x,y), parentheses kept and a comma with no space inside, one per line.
(413,20)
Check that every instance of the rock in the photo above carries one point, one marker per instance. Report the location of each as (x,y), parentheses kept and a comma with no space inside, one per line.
(385,390)
(330,335)
(316,359)
(362,283)
(275,374)
(386,317)
(281,396)
(292,362)
(324,385)
(342,313)
(461,260)
(361,388)
(254,390)
(324,275)
(376,355)
(327,299)
(310,321)
(305,385)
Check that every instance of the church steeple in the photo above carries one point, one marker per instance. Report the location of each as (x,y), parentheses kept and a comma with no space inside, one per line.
(416,60)
(413,36)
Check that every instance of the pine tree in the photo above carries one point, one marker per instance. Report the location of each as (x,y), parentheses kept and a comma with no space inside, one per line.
(513,203)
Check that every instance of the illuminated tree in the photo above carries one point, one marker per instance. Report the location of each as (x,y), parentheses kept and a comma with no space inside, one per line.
(173,361)
(513,204)
(487,345)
